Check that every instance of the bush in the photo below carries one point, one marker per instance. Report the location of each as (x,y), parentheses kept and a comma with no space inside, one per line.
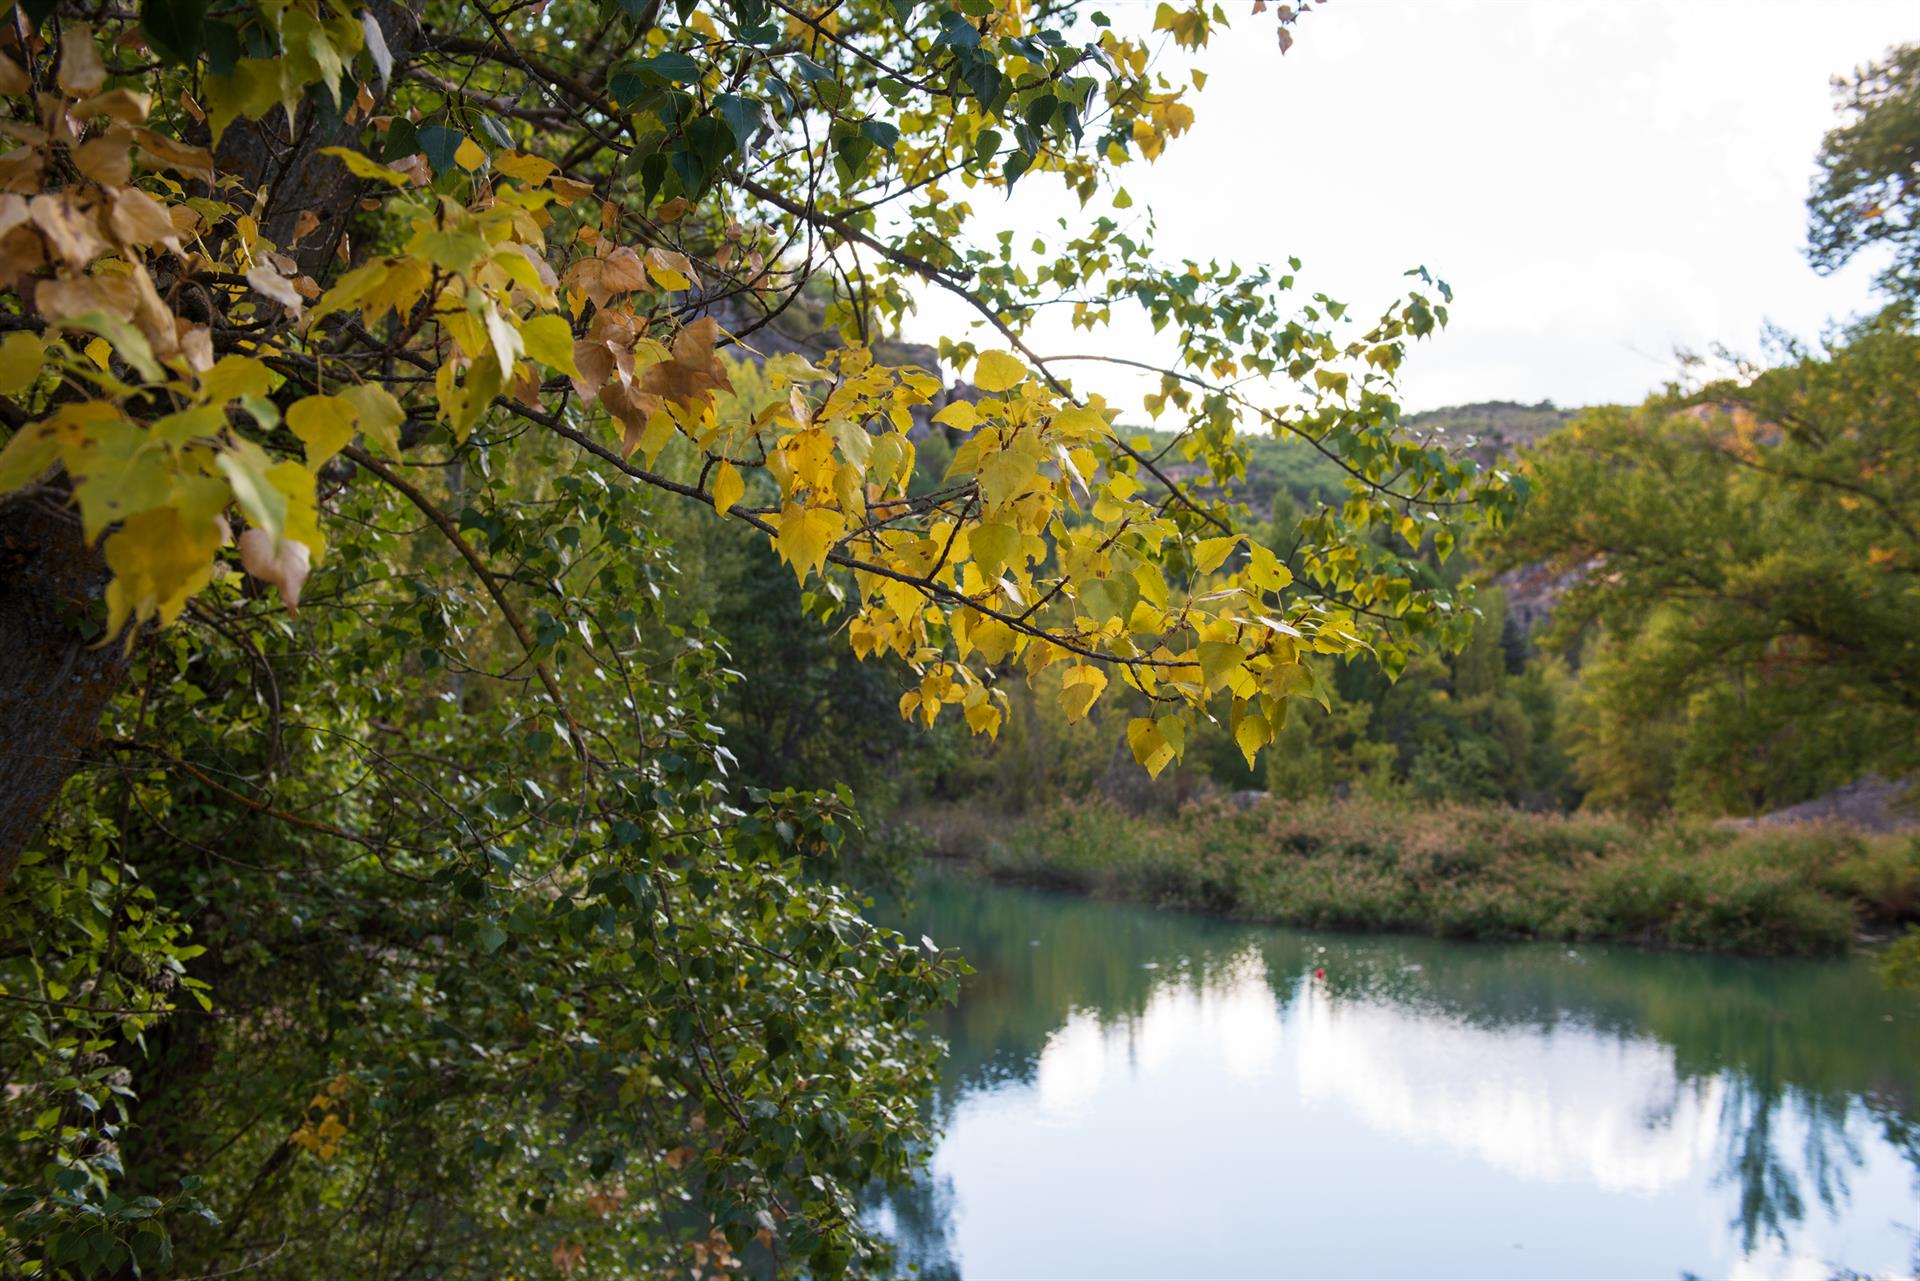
(1460,871)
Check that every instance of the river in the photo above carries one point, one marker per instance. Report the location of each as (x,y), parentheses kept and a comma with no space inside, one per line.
(1133,1093)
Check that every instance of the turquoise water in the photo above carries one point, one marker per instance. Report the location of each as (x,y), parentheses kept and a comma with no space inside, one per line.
(1134,1093)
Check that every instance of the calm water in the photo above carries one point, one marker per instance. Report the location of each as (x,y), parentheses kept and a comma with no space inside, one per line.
(1142,1094)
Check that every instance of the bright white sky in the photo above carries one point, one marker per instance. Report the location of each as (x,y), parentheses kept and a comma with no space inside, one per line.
(1601,181)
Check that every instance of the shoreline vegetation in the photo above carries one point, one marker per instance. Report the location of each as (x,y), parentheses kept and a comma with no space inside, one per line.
(1459,871)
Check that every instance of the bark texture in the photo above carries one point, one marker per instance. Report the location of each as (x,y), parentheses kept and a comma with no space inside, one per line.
(291,170)
(56,682)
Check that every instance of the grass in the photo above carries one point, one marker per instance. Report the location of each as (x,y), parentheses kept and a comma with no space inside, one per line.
(1462,871)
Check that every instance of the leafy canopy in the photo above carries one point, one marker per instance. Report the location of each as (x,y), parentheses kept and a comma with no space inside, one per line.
(550,241)
(1744,558)
(1868,189)
(431,931)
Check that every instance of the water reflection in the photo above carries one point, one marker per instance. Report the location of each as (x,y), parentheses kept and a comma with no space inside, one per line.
(1137,1094)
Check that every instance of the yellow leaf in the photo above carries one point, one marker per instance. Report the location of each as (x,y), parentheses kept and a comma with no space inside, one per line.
(363,167)
(1079,689)
(1150,746)
(235,376)
(1005,475)
(518,165)
(998,371)
(1082,421)
(30,451)
(984,718)
(805,536)
(1220,661)
(324,425)
(380,415)
(728,488)
(1265,569)
(993,547)
(469,155)
(1251,732)
(960,415)
(549,340)
(21,357)
(1209,552)
(158,561)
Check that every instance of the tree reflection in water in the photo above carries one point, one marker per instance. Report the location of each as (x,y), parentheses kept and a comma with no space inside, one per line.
(1767,1086)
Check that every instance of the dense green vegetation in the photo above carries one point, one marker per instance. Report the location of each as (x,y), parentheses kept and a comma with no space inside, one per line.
(1457,871)
(430,742)
(398,872)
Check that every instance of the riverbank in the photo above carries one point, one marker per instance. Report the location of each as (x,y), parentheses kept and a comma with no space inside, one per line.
(1460,871)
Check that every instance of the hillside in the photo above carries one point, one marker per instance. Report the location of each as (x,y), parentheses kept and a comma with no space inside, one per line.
(1491,429)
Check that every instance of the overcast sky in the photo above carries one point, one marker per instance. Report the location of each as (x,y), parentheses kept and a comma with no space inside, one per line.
(1600,182)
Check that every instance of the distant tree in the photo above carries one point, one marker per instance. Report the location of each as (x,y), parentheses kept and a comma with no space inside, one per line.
(1749,558)
(1868,189)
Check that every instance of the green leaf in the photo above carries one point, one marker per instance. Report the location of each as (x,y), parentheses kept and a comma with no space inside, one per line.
(128,341)
(633,77)
(245,467)
(439,143)
(361,167)
(956,32)
(175,29)
(744,116)
(549,340)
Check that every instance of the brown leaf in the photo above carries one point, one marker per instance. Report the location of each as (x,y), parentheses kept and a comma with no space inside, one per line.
(196,344)
(139,219)
(694,373)
(273,285)
(81,71)
(106,159)
(602,278)
(567,190)
(123,106)
(594,360)
(62,299)
(284,565)
(12,79)
(21,170)
(71,231)
(153,316)
(415,166)
(192,108)
(526,386)
(168,153)
(632,408)
(22,254)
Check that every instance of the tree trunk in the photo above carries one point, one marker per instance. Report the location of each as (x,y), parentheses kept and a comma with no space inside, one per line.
(55,684)
(297,178)
(57,680)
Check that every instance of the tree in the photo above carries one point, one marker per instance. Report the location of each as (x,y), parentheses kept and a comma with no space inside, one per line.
(1868,189)
(431,930)
(1747,557)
